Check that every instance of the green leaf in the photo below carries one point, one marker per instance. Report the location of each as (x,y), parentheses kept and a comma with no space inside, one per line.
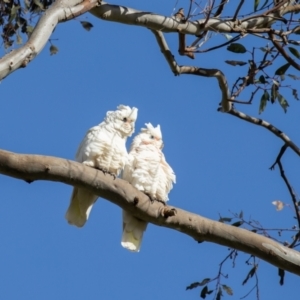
(29,30)
(282,69)
(263,49)
(293,76)
(27,3)
(256,3)
(250,274)
(263,101)
(227,289)
(294,52)
(262,79)
(204,281)
(274,92)
(196,284)
(222,220)
(235,62)
(53,50)
(281,275)
(219,294)
(282,101)
(19,39)
(236,48)
(13,13)
(204,292)
(39,4)
(192,286)
(237,224)
(86,25)
(295,94)
(8,43)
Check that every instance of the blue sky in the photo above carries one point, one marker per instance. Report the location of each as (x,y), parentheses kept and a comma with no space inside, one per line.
(221,164)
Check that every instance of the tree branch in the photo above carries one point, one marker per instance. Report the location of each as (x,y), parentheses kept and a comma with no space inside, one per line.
(177,70)
(64,10)
(268,126)
(283,52)
(60,11)
(121,193)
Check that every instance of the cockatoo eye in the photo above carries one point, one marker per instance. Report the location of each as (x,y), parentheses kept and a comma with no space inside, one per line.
(124,119)
(152,137)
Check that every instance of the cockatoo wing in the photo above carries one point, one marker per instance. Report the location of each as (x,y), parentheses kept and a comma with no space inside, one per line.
(128,168)
(103,147)
(133,230)
(80,206)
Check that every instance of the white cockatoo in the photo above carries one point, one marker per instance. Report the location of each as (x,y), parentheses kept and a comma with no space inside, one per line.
(103,147)
(148,171)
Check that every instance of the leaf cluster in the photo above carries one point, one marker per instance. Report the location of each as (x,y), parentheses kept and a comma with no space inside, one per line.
(17,17)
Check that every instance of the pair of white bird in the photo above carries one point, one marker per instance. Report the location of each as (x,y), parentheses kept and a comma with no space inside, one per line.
(145,167)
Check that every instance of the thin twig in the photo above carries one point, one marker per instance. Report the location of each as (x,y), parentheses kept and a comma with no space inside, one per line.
(281,152)
(220,8)
(283,52)
(294,199)
(268,126)
(237,10)
(177,70)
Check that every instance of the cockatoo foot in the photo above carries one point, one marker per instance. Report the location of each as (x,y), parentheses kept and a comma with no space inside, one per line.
(160,201)
(107,172)
(167,212)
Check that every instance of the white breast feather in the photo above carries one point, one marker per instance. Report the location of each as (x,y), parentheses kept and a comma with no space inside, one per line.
(148,171)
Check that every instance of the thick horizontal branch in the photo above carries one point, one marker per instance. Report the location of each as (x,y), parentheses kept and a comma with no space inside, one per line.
(121,193)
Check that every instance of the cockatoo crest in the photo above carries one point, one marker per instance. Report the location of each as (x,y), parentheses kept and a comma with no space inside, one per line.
(149,135)
(122,119)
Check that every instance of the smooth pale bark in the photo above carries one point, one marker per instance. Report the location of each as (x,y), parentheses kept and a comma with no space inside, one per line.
(60,11)
(121,193)
(64,10)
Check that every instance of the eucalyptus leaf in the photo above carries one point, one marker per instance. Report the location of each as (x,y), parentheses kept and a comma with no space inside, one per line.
(282,69)
(53,50)
(294,52)
(283,102)
(236,48)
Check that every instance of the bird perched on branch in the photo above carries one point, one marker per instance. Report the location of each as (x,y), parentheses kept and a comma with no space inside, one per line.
(148,171)
(103,148)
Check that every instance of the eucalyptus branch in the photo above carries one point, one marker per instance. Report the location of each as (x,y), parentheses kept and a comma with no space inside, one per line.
(283,52)
(60,11)
(294,200)
(65,10)
(37,167)
(281,152)
(290,189)
(177,70)
(268,126)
